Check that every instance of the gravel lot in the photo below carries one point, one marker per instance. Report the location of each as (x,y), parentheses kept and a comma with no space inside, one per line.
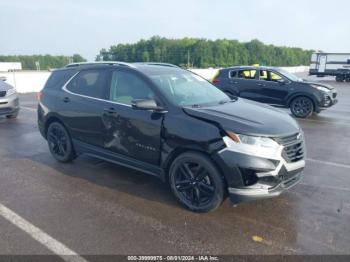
(95,207)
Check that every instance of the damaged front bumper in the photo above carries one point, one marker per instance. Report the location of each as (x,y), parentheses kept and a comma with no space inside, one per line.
(258,175)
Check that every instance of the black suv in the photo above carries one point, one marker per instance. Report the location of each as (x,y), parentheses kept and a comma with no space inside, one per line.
(276,87)
(172,124)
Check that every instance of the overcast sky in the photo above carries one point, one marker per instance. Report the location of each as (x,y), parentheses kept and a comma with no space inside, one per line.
(85,26)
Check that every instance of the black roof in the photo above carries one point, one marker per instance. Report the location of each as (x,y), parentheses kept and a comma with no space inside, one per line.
(250,67)
(148,68)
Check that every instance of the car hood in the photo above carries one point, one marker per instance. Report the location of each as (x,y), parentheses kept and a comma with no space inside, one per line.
(4,86)
(318,84)
(247,117)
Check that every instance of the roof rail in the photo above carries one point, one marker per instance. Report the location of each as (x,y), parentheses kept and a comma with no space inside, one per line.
(100,62)
(156,63)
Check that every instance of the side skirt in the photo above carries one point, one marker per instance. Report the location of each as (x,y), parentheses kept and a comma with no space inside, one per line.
(94,151)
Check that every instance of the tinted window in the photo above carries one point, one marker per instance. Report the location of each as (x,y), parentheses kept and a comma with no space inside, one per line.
(233,73)
(88,83)
(58,78)
(269,76)
(184,88)
(247,73)
(126,87)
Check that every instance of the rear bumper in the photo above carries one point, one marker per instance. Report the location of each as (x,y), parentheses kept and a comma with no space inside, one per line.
(9,105)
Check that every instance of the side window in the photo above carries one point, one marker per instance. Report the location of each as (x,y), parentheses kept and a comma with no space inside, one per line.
(263,75)
(88,83)
(126,87)
(247,74)
(58,78)
(274,77)
(233,74)
(269,76)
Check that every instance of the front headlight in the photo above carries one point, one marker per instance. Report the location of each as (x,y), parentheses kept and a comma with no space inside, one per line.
(10,92)
(321,88)
(253,145)
(253,140)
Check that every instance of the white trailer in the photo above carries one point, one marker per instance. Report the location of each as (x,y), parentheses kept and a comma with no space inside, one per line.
(331,64)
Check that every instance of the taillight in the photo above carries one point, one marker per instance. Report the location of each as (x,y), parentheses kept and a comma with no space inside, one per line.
(39,95)
(216,81)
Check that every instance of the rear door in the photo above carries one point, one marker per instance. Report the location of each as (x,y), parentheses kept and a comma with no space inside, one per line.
(130,132)
(83,103)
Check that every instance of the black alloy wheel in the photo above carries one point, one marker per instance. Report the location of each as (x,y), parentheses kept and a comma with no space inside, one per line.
(59,142)
(302,107)
(196,182)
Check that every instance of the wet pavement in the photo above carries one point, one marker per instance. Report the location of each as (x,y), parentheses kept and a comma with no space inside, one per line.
(95,207)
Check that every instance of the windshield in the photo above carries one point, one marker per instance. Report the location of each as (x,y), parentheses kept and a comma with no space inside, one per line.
(290,76)
(186,89)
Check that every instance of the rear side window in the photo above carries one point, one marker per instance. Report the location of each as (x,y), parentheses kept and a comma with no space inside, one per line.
(247,74)
(233,74)
(58,78)
(89,83)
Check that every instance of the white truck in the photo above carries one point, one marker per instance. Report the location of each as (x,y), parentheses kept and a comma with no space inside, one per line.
(331,64)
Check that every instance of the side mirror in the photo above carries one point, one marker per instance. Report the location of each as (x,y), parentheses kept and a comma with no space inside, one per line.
(146,104)
(281,81)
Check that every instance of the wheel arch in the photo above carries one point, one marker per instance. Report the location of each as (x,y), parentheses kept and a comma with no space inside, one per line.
(294,96)
(50,120)
(183,149)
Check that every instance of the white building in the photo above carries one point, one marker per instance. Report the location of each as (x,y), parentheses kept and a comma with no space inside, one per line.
(7,66)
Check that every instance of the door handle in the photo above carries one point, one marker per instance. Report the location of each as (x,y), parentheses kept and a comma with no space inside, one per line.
(110,110)
(234,82)
(261,84)
(66,99)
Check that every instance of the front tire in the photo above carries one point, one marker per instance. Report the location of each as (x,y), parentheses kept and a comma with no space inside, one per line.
(302,107)
(13,116)
(196,182)
(59,142)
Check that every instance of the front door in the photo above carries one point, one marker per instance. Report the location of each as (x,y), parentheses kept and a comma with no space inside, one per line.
(273,87)
(130,132)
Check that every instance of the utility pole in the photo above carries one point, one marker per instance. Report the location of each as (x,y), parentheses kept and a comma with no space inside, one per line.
(188,58)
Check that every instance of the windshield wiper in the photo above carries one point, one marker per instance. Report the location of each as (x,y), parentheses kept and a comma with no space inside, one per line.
(228,101)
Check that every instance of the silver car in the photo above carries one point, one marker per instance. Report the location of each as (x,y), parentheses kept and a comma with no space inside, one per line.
(9,104)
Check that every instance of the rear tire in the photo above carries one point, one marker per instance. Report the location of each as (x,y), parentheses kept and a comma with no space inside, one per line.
(60,143)
(347,79)
(196,182)
(339,78)
(302,107)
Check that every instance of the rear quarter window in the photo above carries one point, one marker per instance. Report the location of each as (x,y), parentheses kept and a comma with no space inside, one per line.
(58,78)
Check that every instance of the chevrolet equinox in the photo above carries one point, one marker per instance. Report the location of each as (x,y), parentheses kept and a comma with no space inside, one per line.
(170,123)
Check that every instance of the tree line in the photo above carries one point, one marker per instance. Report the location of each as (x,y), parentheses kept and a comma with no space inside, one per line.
(202,53)
(42,62)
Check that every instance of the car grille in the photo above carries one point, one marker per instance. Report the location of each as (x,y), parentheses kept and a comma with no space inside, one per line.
(2,93)
(293,147)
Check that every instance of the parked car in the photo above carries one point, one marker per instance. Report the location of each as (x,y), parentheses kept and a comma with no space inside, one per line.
(276,87)
(172,124)
(9,105)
